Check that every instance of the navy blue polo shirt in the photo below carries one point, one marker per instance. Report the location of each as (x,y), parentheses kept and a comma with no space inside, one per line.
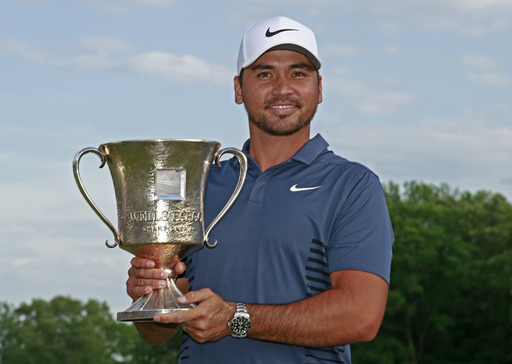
(291,226)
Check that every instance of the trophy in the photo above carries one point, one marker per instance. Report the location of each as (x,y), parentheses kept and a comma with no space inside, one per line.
(159,186)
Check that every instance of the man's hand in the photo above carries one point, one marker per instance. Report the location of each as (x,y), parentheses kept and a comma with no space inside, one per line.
(144,276)
(208,321)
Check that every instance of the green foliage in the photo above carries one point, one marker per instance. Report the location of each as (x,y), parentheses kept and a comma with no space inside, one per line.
(450,299)
(69,331)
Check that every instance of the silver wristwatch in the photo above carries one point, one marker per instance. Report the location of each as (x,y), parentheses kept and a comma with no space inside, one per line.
(240,324)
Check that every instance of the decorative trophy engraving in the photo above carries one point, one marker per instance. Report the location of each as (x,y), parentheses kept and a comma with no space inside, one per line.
(159,186)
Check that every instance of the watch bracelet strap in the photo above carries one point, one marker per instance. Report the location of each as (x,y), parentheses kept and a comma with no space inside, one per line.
(240,307)
(241,311)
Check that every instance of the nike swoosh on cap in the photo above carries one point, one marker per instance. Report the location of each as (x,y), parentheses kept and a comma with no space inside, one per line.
(269,34)
(294,188)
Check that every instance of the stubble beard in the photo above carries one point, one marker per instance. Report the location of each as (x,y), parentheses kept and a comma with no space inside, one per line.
(283,127)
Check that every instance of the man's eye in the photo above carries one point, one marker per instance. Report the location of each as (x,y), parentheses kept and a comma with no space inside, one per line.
(264,75)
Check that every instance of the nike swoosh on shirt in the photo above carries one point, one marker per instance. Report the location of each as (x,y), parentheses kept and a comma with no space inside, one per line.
(269,34)
(294,188)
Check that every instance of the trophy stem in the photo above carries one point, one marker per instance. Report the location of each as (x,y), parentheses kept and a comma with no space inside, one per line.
(160,301)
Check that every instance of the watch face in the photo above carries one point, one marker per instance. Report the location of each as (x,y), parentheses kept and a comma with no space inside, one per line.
(240,325)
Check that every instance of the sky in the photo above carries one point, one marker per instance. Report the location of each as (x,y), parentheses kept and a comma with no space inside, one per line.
(414,89)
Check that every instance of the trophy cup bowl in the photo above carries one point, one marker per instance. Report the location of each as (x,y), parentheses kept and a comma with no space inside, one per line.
(159,187)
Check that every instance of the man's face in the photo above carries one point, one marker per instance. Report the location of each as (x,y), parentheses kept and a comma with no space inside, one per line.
(280,91)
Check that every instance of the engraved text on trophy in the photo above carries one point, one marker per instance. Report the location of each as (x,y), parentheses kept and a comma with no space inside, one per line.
(179,221)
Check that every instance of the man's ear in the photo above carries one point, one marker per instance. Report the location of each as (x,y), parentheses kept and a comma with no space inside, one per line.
(320,96)
(238,91)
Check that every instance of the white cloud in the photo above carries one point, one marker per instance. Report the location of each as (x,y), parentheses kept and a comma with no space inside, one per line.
(476,18)
(30,262)
(483,4)
(88,45)
(155,2)
(481,28)
(86,53)
(490,78)
(111,53)
(486,71)
(125,5)
(25,50)
(105,44)
(481,62)
(469,151)
(339,51)
(371,98)
(185,69)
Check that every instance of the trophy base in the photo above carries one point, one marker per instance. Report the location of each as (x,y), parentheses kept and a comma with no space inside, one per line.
(160,301)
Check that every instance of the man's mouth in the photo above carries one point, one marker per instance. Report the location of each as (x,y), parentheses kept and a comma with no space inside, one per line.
(280,103)
(282,106)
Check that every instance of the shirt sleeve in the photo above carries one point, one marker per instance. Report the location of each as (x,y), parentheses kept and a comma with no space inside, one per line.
(362,235)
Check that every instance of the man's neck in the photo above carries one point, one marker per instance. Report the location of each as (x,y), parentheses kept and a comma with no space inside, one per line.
(270,150)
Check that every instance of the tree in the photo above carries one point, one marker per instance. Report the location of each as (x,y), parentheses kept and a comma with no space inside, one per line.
(65,330)
(60,331)
(450,299)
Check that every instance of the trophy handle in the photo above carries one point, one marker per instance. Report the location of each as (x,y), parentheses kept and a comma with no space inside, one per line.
(242,159)
(78,179)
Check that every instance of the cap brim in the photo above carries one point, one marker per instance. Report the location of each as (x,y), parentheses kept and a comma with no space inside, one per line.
(296,48)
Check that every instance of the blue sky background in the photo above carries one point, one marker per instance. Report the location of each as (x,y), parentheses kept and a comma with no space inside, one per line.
(414,89)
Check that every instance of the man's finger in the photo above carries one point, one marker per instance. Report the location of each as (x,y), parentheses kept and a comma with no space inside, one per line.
(138,262)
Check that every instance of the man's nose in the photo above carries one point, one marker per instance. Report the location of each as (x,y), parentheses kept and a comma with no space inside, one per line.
(282,86)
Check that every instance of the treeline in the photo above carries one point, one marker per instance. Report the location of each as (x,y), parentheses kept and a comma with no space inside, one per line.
(68,331)
(450,299)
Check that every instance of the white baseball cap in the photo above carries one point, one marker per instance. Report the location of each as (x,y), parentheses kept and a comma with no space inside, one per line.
(277,33)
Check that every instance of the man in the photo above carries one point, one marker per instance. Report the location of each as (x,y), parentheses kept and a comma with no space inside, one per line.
(302,265)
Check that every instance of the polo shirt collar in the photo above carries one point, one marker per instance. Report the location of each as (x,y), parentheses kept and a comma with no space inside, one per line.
(307,154)
(312,149)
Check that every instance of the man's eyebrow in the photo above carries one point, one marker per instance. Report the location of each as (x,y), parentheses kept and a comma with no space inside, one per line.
(301,65)
(264,66)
